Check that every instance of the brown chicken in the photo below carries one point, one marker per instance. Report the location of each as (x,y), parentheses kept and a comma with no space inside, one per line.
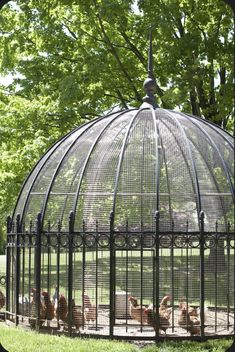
(152,319)
(192,311)
(2,300)
(90,313)
(187,322)
(137,311)
(61,308)
(164,310)
(33,309)
(77,319)
(49,306)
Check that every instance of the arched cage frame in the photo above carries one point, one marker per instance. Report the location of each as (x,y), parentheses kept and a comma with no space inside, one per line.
(109,261)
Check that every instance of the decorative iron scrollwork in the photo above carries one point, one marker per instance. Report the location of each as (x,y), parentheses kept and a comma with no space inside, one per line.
(44,240)
(3,280)
(33,239)
(77,240)
(134,241)
(149,240)
(180,241)
(194,241)
(90,240)
(64,240)
(210,241)
(103,240)
(120,241)
(165,241)
(27,240)
(53,240)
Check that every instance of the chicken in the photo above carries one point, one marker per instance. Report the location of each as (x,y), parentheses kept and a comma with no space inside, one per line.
(195,312)
(23,305)
(152,319)
(2,300)
(33,309)
(187,322)
(61,308)
(49,306)
(90,313)
(164,310)
(137,311)
(77,318)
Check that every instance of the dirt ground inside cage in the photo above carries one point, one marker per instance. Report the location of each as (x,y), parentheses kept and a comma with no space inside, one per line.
(217,323)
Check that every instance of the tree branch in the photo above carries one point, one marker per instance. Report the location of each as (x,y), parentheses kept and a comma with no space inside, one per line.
(133,48)
(115,54)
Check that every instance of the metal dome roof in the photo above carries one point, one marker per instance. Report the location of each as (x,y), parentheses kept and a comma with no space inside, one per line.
(133,163)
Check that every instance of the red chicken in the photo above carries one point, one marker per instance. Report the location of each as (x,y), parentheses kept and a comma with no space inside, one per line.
(49,306)
(77,318)
(137,311)
(187,322)
(164,310)
(33,309)
(90,313)
(61,308)
(152,319)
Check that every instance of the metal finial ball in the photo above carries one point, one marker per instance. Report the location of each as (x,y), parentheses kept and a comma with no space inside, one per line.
(150,85)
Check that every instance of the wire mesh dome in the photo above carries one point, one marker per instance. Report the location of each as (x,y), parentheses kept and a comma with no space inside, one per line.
(134,231)
(134,163)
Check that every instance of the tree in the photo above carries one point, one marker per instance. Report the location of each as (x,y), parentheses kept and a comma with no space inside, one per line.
(71,61)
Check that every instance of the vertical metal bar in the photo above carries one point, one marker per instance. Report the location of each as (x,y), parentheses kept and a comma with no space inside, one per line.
(70,271)
(172,276)
(96,275)
(38,270)
(8,263)
(23,270)
(202,271)
(17,268)
(127,264)
(228,275)
(30,260)
(157,266)
(48,260)
(141,276)
(57,289)
(216,276)
(187,273)
(83,271)
(112,277)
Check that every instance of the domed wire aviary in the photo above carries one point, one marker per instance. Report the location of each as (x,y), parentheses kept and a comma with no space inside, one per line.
(125,228)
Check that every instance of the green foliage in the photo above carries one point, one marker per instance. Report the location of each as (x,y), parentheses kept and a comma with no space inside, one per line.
(71,61)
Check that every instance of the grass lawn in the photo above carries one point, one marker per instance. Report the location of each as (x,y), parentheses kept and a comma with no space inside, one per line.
(18,340)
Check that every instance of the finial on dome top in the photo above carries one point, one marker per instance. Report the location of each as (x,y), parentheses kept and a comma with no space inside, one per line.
(150,83)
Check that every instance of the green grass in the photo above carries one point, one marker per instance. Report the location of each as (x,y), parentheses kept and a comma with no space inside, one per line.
(18,340)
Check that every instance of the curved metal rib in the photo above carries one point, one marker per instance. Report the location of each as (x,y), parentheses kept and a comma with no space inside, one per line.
(61,140)
(88,157)
(121,156)
(212,125)
(167,175)
(219,154)
(71,185)
(215,182)
(198,203)
(158,161)
(61,161)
